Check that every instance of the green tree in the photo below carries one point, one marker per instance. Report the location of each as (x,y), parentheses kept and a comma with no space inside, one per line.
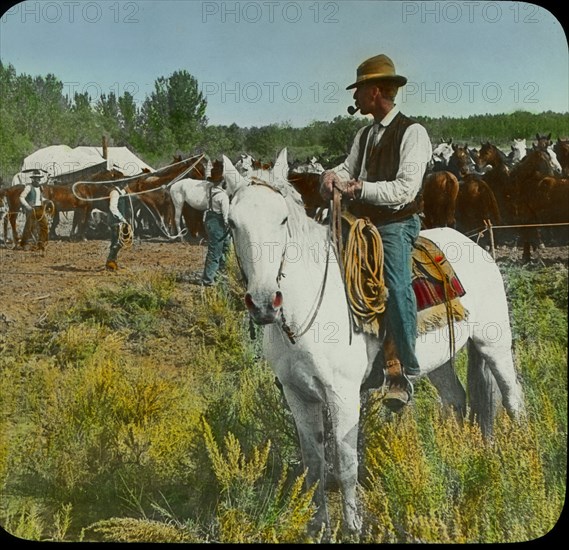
(174,114)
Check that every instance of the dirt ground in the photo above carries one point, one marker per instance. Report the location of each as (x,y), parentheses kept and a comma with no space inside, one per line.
(31,282)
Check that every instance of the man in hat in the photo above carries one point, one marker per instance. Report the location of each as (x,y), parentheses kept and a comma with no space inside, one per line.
(120,228)
(381,179)
(31,200)
(218,237)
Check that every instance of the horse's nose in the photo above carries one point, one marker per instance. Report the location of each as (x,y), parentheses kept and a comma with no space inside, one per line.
(275,302)
(277,299)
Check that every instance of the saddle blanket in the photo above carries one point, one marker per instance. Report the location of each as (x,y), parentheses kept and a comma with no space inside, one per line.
(437,287)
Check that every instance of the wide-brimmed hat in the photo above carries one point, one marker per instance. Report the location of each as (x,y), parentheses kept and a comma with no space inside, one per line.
(379,67)
(35,174)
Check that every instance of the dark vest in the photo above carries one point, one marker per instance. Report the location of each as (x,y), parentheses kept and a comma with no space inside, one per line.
(382,164)
(31,196)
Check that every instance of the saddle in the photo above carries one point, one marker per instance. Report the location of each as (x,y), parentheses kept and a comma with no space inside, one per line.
(437,288)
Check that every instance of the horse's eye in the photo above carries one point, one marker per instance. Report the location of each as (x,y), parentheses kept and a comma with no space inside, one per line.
(284,221)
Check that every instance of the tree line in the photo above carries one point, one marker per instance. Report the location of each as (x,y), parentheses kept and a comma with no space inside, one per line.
(35,112)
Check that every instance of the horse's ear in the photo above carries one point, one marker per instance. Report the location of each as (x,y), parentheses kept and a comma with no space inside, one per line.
(233,179)
(280,169)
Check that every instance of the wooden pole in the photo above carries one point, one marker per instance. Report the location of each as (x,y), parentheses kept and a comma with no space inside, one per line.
(491,232)
(105,151)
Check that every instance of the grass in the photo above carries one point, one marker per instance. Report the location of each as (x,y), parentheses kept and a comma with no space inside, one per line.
(143,411)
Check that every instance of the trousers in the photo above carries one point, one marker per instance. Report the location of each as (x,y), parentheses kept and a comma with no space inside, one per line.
(115,242)
(218,243)
(401,310)
(36,219)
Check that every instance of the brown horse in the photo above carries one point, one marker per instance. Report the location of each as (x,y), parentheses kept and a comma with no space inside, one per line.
(308,185)
(440,190)
(476,205)
(63,200)
(524,180)
(561,149)
(497,175)
(69,198)
(460,162)
(152,203)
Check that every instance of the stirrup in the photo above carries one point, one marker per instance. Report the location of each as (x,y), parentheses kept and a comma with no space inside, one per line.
(395,397)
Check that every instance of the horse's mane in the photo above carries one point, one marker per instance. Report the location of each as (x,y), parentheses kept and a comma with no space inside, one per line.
(299,222)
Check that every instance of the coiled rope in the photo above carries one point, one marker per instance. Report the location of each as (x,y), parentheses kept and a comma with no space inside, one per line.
(363,267)
(126,235)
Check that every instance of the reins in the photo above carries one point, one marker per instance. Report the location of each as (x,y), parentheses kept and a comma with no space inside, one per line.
(292,335)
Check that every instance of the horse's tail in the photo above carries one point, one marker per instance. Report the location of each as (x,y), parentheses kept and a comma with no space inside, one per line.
(484,394)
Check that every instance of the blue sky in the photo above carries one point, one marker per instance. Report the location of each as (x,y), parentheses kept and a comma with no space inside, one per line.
(263,62)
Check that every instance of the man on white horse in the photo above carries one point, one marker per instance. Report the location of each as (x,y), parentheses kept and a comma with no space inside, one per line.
(381,178)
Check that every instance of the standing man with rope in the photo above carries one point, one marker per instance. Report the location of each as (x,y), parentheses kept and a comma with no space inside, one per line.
(381,179)
(31,199)
(217,231)
(121,230)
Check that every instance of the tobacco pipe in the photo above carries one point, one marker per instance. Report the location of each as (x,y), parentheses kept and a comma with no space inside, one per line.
(353,110)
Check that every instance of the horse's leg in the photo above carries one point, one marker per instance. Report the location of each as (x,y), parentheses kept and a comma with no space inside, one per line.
(82,214)
(309,420)
(483,391)
(344,414)
(13,217)
(5,224)
(496,354)
(54,224)
(177,218)
(450,388)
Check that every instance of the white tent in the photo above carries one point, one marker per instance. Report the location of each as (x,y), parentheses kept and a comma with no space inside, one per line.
(121,158)
(57,161)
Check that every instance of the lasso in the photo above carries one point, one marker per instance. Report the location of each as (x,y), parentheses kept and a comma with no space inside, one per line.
(136,177)
(363,268)
(126,235)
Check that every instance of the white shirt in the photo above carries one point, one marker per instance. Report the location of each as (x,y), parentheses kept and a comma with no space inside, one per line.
(220,202)
(114,202)
(414,156)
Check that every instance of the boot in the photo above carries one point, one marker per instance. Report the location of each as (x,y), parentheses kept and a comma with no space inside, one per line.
(111,265)
(399,387)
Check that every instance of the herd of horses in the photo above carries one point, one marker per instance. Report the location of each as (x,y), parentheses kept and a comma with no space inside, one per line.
(464,188)
(472,189)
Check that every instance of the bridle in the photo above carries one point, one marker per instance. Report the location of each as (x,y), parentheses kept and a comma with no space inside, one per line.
(304,327)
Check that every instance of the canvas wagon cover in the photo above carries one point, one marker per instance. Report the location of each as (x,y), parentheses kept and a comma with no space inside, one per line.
(62,163)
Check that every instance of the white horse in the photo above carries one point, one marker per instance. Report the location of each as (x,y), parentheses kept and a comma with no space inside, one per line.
(294,285)
(519,150)
(442,153)
(190,191)
(193,192)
